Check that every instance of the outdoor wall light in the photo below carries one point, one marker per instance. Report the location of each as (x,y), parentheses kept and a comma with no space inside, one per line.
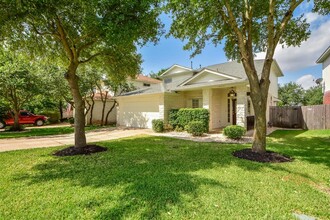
(232,93)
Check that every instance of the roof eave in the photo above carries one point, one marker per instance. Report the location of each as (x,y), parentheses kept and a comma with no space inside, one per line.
(278,67)
(175,65)
(324,56)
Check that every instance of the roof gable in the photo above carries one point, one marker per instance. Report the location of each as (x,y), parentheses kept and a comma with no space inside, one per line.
(175,69)
(324,56)
(207,76)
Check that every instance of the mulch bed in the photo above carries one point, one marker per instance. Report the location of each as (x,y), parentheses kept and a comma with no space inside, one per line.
(87,150)
(268,157)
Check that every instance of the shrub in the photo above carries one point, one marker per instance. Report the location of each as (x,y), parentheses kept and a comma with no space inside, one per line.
(234,131)
(196,128)
(179,129)
(158,125)
(53,116)
(173,118)
(71,120)
(168,127)
(186,115)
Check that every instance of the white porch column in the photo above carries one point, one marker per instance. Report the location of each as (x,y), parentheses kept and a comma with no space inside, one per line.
(161,107)
(241,107)
(207,104)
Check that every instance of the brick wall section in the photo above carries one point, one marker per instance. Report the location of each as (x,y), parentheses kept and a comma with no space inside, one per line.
(326,97)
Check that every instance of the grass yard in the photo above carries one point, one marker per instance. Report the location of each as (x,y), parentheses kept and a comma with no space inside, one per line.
(42,132)
(163,178)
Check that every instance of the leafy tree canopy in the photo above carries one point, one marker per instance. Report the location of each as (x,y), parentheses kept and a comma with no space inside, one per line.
(157,74)
(314,96)
(291,94)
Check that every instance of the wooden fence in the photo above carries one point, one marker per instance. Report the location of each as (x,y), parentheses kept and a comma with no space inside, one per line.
(305,117)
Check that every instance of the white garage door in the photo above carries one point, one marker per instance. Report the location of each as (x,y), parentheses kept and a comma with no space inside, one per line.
(138,112)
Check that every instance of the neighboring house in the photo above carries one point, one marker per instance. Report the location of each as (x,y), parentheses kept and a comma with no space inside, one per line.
(98,106)
(142,81)
(222,88)
(139,82)
(325,60)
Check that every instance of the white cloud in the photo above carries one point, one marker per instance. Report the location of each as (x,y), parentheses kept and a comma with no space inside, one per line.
(306,81)
(312,17)
(297,58)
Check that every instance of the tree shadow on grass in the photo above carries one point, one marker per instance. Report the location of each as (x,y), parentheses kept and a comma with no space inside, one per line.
(145,176)
(152,174)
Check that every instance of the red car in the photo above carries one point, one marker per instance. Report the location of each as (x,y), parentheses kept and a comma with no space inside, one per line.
(25,117)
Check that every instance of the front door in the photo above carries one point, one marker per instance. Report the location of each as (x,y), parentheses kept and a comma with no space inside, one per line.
(234,111)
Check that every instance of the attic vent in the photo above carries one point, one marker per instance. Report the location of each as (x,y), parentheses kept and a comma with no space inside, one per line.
(167,80)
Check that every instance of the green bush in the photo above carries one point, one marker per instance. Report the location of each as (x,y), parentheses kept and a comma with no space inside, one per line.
(173,118)
(234,131)
(71,120)
(158,125)
(196,128)
(53,116)
(186,115)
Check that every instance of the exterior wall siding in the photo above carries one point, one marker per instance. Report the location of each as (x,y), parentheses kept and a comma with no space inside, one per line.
(326,80)
(140,111)
(97,112)
(173,101)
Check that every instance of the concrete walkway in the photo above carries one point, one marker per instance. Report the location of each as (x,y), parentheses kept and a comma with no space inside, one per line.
(68,139)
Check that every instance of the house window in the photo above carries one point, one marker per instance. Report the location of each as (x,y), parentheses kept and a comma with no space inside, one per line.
(195,103)
(167,80)
(228,110)
(249,106)
(146,84)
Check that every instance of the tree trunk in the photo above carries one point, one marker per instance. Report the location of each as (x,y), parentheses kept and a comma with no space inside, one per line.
(16,126)
(112,107)
(104,102)
(92,108)
(79,116)
(60,108)
(260,128)
(259,95)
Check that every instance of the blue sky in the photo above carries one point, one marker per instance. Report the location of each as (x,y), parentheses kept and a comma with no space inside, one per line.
(298,64)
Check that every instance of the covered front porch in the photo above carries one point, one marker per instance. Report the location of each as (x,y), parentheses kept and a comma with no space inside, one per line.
(228,105)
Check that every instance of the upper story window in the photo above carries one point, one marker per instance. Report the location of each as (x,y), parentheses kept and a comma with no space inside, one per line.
(167,80)
(146,84)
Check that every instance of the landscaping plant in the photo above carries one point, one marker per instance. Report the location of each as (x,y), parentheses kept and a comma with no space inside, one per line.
(234,131)
(196,128)
(158,125)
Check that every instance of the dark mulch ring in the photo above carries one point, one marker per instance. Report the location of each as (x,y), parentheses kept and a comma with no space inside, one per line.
(268,157)
(87,150)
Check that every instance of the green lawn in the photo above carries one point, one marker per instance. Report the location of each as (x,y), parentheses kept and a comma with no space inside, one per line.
(162,178)
(42,132)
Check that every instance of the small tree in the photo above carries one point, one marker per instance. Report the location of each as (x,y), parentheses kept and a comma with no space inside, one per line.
(18,83)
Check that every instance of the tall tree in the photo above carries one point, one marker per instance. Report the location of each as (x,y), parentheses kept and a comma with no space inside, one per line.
(245,27)
(74,32)
(18,82)
(291,94)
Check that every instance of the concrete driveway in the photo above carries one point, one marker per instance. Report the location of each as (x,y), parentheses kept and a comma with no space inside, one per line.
(68,139)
